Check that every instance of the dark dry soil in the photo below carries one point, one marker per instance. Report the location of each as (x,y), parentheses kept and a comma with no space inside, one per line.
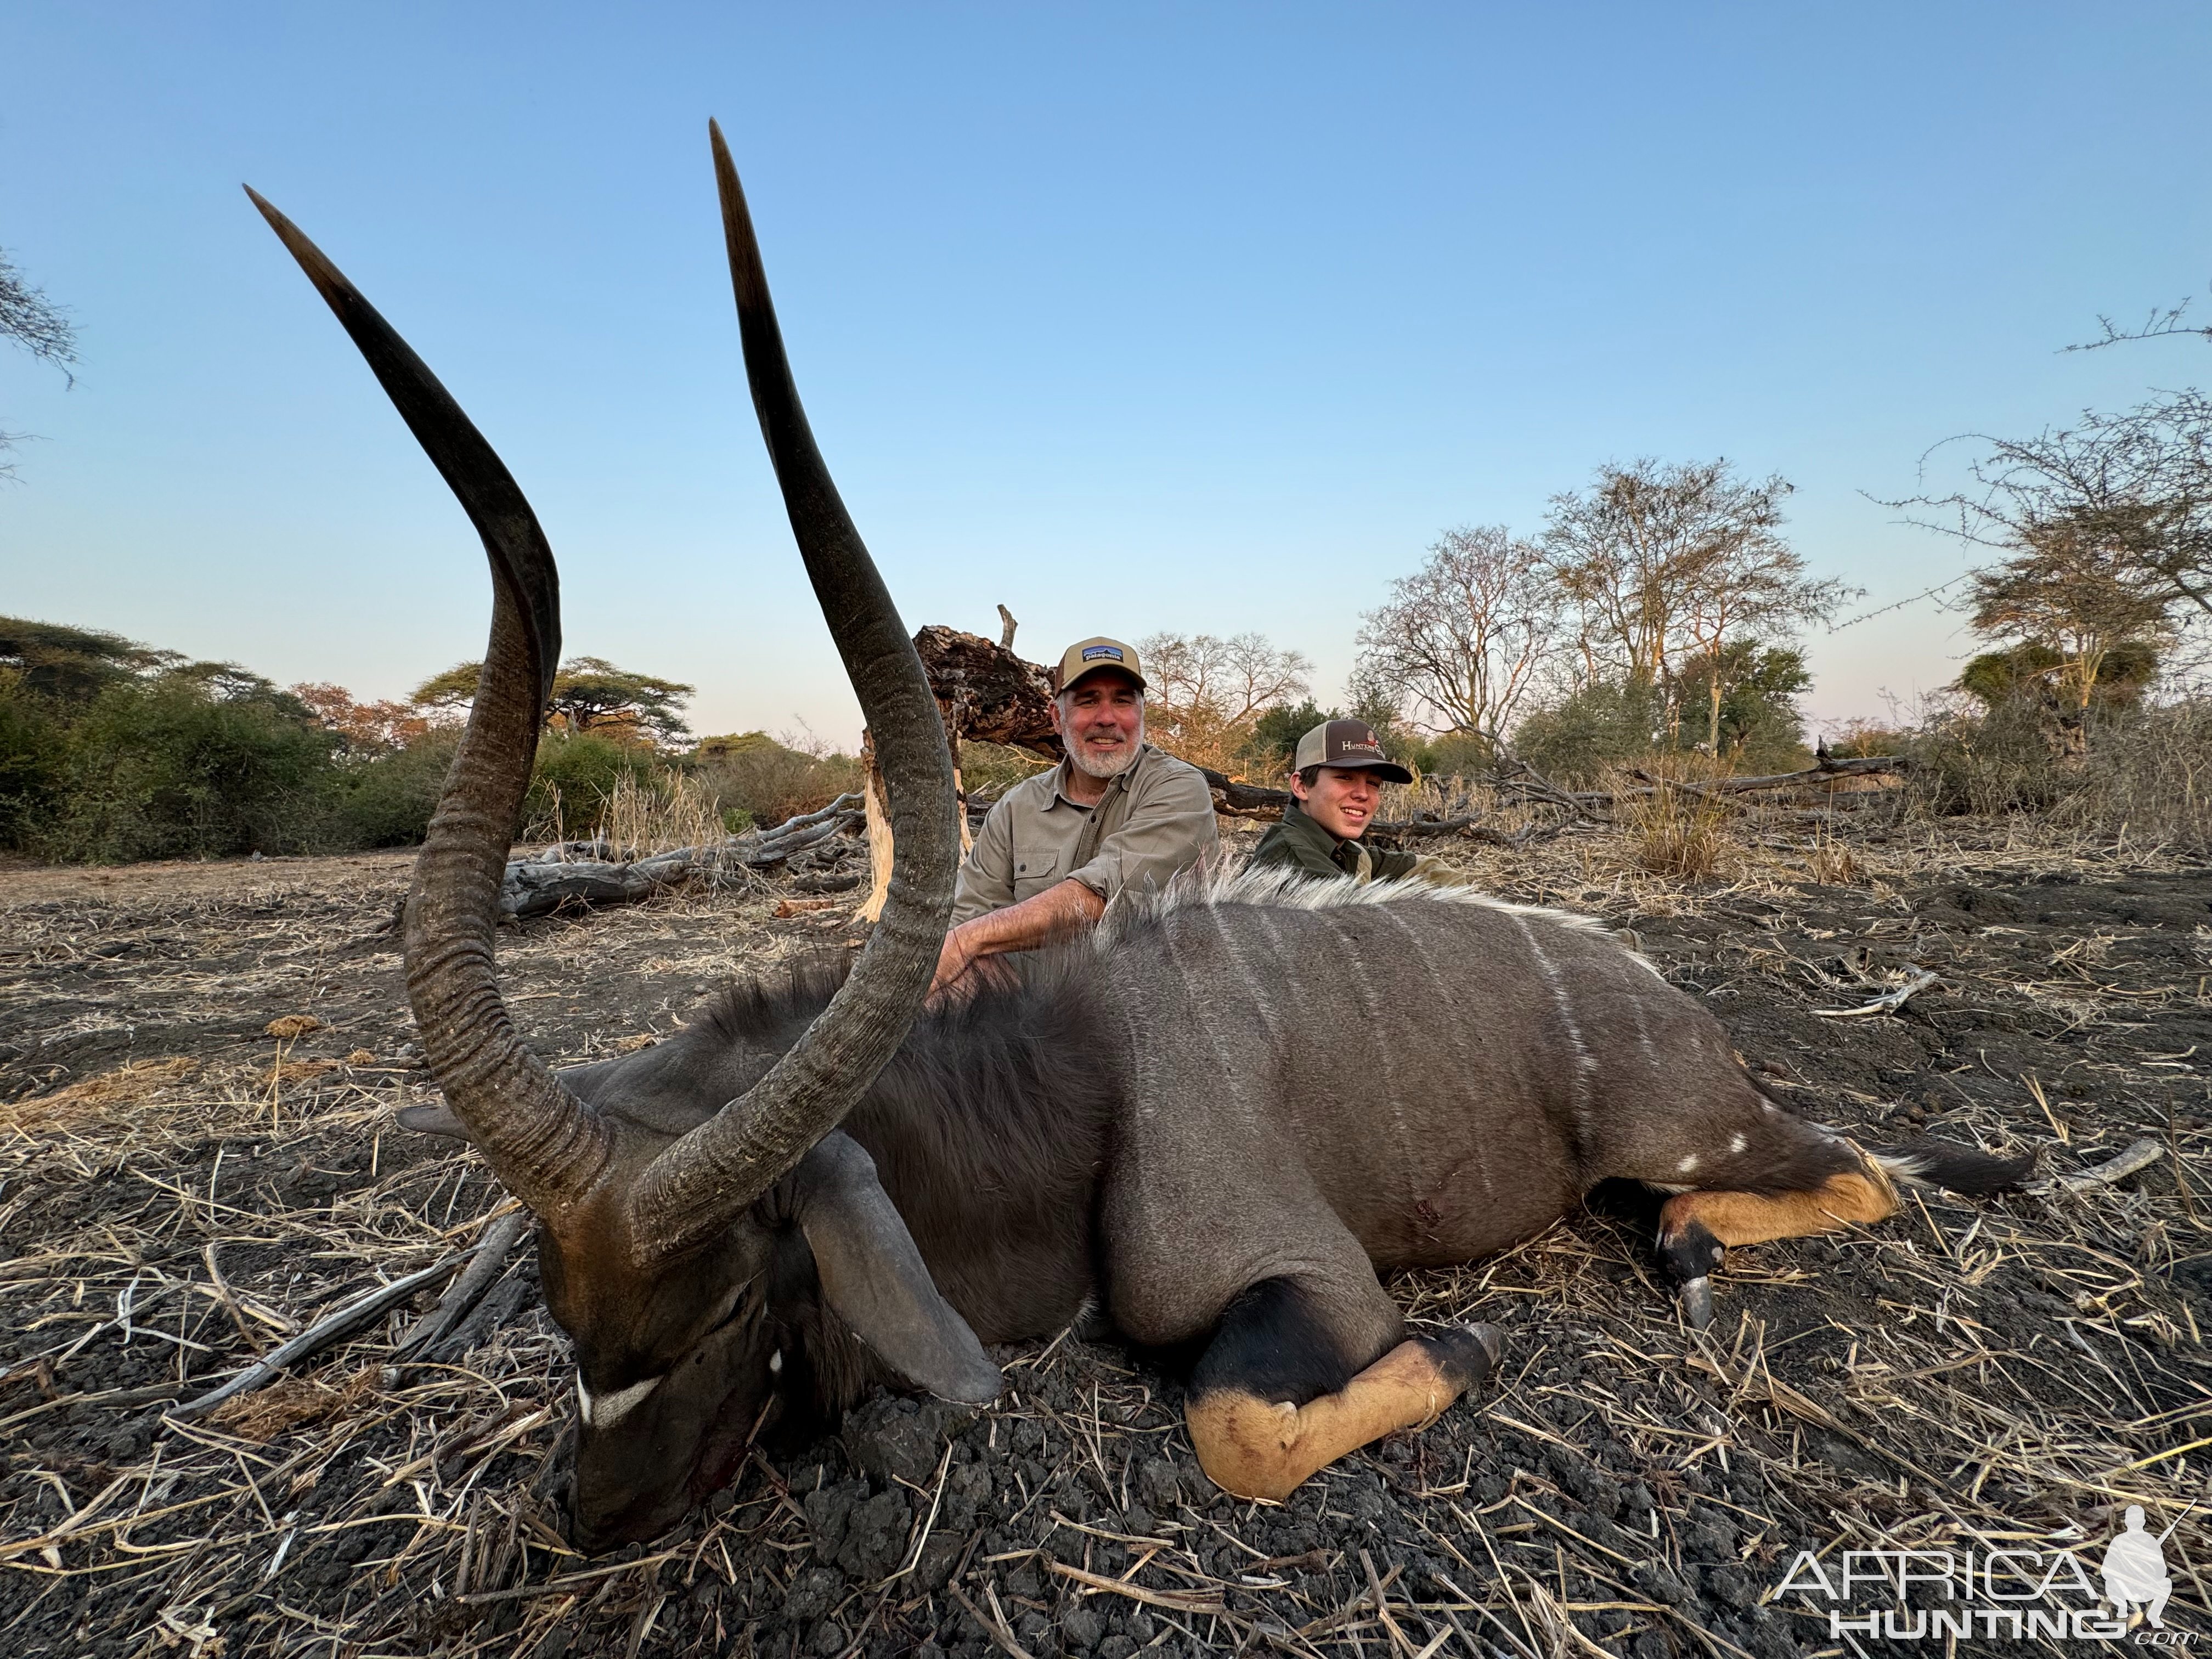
(1965,1371)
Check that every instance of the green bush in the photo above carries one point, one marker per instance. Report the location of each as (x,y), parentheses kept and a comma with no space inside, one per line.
(33,761)
(1275,738)
(1607,723)
(992,768)
(1456,753)
(1604,724)
(1995,761)
(772,782)
(574,780)
(1760,729)
(180,767)
(386,799)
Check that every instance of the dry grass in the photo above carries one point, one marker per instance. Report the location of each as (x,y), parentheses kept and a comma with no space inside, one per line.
(294,1403)
(1960,1374)
(136,1087)
(2149,782)
(1680,833)
(1832,863)
(641,820)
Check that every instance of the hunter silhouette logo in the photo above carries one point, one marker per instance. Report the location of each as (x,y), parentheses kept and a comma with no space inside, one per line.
(2135,1570)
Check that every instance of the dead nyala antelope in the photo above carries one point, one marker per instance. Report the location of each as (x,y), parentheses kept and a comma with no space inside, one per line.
(1203,1127)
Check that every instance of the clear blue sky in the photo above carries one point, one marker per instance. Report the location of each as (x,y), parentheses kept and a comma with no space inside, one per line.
(1195,317)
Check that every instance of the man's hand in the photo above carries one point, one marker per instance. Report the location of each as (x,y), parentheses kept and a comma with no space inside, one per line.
(1049,916)
(952,961)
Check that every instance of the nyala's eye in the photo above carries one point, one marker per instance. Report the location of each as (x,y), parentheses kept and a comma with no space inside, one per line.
(737,1311)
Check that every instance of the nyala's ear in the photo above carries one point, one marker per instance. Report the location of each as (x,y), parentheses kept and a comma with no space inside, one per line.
(437,1120)
(874,1279)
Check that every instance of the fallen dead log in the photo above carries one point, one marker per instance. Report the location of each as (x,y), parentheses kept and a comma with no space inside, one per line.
(539,886)
(1521,779)
(1243,799)
(1826,772)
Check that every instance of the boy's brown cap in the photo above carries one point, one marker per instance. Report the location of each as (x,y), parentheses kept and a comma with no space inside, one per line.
(1352,745)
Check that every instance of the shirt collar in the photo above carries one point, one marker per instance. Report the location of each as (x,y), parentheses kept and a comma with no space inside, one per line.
(1320,831)
(1061,797)
(1311,825)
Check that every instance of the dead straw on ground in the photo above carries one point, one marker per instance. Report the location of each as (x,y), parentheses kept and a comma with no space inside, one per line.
(1961,1375)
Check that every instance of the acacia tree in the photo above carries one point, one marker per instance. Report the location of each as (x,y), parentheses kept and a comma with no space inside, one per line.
(590,694)
(1204,694)
(71,665)
(1668,563)
(1465,637)
(2078,591)
(2140,479)
(36,323)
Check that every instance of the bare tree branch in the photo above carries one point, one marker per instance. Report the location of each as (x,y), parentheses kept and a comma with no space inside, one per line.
(1465,637)
(1205,693)
(2141,477)
(2161,324)
(40,327)
(32,321)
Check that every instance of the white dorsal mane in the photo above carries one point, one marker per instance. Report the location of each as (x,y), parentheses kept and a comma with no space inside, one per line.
(1282,888)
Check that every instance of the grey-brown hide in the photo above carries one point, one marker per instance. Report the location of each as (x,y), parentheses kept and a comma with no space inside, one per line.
(1253,1080)
(1342,1078)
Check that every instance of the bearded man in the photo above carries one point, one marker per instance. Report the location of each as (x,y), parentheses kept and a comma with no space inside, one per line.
(1116,815)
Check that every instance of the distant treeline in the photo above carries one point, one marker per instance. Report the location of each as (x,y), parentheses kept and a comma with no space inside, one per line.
(112,752)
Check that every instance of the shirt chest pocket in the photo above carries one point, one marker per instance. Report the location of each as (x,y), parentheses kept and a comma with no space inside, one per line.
(1036,868)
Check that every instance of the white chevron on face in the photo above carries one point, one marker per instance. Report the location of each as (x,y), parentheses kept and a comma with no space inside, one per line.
(600,1413)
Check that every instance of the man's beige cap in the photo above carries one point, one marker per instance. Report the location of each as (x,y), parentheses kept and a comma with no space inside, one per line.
(1352,745)
(1089,656)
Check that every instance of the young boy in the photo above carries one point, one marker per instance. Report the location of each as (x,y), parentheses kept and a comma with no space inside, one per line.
(1336,783)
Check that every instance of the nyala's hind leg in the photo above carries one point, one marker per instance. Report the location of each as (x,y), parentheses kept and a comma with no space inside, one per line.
(1284,1389)
(1696,1228)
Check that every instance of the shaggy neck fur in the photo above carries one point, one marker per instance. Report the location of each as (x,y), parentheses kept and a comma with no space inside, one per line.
(989,1130)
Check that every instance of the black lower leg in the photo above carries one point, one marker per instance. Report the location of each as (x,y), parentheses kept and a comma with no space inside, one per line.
(1690,1253)
(1272,1343)
(1464,1354)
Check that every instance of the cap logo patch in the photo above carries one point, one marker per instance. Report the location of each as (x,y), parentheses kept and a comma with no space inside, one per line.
(1091,653)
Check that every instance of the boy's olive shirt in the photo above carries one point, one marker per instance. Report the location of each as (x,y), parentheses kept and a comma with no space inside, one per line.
(1301,842)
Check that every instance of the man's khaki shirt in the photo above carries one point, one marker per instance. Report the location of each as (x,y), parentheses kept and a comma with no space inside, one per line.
(1156,819)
